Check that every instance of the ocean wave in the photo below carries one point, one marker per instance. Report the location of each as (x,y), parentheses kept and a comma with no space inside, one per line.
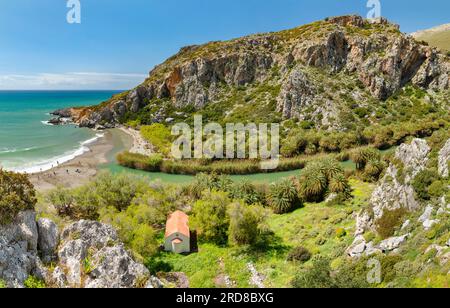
(7,151)
(50,163)
(47,123)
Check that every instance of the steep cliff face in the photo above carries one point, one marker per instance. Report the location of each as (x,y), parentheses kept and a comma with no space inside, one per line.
(372,53)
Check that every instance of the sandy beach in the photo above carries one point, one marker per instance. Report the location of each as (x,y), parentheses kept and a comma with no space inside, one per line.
(77,171)
(140,146)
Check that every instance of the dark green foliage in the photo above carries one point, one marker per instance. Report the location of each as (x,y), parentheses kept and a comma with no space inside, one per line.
(423,181)
(210,217)
(322,177)
(283,197)
(246,223)
(16,194)
(300,254)
(316,277)
(390,222)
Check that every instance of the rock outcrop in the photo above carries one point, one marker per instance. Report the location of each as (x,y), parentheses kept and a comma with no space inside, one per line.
(383,59)
(444,159)
(393,192)
(89,255)
(18,250)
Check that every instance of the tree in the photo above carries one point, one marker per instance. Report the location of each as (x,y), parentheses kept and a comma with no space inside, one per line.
(283,197)
(246,223)
(210,217)
(16,194)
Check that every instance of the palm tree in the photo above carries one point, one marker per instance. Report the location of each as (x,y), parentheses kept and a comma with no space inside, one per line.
(283,197)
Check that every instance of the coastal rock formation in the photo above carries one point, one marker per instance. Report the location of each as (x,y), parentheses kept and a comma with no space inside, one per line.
(48,239)
(373,51)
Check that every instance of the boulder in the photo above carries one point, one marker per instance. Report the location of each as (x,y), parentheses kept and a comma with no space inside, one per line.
(393,243)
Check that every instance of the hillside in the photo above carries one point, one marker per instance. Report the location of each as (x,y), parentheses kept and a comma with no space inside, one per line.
(340,73)
(437,37)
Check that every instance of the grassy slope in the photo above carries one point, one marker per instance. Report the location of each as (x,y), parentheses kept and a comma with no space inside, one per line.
(438,38)
(302,227)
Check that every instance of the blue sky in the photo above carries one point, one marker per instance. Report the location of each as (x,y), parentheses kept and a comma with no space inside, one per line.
(119,41)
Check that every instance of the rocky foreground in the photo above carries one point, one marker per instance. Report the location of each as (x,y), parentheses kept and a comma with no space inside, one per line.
(85,254)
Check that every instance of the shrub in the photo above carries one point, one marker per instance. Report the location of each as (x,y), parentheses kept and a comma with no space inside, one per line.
(17,194)
(247,192)
(422,182)
(387,224)
(33,283)
(63,200)
(210,217)
(141,162)
(318,276)
(246,223)
(340,232)
(283,197)
(300,254)
(2,284)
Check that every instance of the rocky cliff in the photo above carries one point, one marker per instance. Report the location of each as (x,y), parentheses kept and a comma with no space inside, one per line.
(370,60)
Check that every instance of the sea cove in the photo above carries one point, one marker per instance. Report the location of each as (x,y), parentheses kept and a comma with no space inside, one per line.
(28,143)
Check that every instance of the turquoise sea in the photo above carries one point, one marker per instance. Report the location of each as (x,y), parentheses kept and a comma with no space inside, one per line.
(28,143)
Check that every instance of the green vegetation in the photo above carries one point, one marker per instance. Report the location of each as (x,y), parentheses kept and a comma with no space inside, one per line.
(283,197)
(159,136)
(17,194)
(300,254)
(321,178)
(34,283)
(426,184)
(140,162)
(390,222)
(2,284)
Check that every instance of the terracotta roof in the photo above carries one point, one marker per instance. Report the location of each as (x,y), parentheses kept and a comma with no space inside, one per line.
(178,222)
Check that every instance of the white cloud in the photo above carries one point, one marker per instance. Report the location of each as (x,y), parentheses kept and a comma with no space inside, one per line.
(71,81)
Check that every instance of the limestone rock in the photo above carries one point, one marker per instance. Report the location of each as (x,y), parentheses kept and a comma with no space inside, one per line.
(393,243)
(48,238)
(18,249)
(444,158)
(91,256)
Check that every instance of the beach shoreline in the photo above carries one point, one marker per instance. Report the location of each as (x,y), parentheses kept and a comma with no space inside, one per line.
(79,170)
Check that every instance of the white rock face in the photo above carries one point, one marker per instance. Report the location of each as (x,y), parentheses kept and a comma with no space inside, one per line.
(444,157)
(357,248)
(91,256)
(18,250)
(393,243)
(48,238)
(414,157)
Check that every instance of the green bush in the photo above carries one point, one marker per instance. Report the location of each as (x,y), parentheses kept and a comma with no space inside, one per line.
(423,181)
(340,232)
(283,197)
(316,277)
(16,194)
(210,218)
(140,162)
(300,254)
(247,223)
(2,284)
(34,283)
(389,222)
